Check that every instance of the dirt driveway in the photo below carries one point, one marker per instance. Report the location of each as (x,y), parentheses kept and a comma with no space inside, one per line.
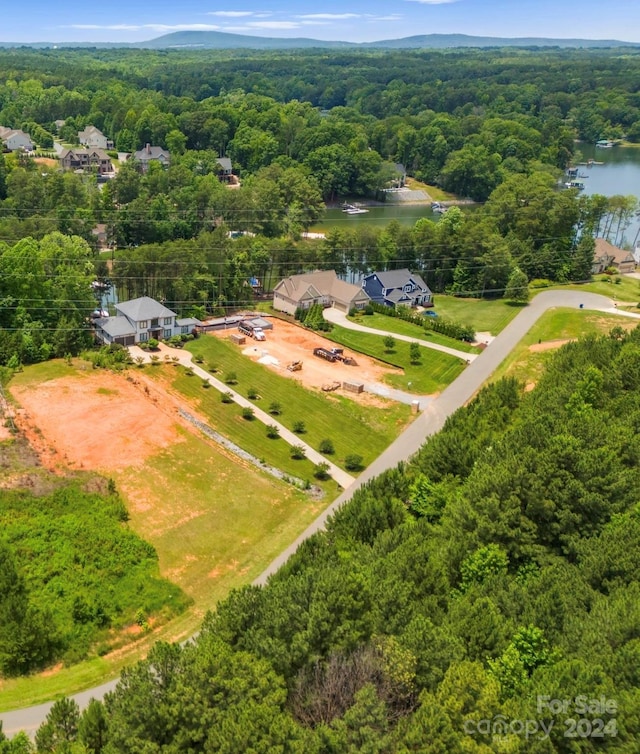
(287,343)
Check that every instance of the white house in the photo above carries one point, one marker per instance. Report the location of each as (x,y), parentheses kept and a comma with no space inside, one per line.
(140,319)
(93,137)
(15,139)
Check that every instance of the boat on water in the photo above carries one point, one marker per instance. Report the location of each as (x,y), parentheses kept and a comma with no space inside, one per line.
(438,208)
(605,144)
(352,209)
(575,185)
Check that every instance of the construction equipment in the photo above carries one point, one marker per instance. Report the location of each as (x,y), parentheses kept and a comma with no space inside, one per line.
(326,353)
(330,386)
(295,366)
(248,328)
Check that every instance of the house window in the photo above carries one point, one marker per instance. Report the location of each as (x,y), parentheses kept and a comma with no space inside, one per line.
(167,333)
(184,329)
(168,320)
(408,288)
(142,324)
(144,337)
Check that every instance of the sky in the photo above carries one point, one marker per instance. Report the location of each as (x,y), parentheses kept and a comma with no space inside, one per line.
(347,20)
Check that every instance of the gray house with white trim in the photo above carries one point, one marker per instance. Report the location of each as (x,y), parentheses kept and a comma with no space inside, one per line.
(397,288)
(140,319)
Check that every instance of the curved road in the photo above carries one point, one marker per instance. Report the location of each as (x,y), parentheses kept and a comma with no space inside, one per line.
(340,318)
(429,422)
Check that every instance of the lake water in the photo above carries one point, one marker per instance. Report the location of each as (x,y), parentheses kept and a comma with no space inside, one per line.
(405,214)
(620,174)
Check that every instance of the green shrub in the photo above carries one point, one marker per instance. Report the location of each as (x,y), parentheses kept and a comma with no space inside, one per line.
(231,378)
(152,343)
(252,394)
(248,413)
(299,427)
(275,408)
(273,432)
(321,471)
(353,462)
(227,397)
(327,447)
(298,452)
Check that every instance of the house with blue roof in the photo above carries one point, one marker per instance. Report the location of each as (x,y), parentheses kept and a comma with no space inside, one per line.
(397,288)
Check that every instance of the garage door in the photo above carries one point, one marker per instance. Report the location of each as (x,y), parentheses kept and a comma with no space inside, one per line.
(128,340)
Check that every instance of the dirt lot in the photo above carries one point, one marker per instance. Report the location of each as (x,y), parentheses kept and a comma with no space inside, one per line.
(287,343)
(93,422)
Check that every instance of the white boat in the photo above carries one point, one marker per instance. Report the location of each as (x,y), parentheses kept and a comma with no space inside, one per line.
(605,144)
(351,209)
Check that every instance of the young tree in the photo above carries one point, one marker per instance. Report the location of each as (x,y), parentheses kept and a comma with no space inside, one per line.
(389,343)
(517,289)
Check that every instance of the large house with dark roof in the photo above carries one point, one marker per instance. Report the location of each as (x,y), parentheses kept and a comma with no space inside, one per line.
(323,287)
(607,255)
(140,319)
(151,154)
(397,288)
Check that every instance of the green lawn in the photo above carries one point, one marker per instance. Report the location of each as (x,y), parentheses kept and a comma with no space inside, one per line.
(352,426)
(484,315)
(250,435)
(555,325)
(627,290)
(393,324)
(433,374)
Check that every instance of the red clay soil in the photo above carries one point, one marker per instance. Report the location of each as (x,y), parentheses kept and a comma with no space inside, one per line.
(97,421)
(288,343)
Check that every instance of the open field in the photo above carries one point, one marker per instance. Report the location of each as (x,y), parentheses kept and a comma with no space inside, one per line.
(432,375)
(436,194)
(395,325)
(484,315)
(555,328)
(215,521)
(362,424)
(227,419)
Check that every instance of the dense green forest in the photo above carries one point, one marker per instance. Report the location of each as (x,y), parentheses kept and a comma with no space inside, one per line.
(450,601)
(72,573)
(302,129)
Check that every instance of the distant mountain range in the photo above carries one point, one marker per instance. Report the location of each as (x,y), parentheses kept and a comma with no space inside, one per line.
(217,40)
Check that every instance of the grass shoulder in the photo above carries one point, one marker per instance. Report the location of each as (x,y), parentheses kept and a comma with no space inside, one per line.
(378,321)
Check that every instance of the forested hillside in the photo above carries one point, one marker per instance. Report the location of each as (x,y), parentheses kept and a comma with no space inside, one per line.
(73,575)
(301,129)
(451,601)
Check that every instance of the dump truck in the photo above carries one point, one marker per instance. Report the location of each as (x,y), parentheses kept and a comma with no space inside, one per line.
(248,328)
(295,366)
(326,353)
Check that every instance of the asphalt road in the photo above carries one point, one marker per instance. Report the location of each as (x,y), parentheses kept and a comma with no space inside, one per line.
(427,423)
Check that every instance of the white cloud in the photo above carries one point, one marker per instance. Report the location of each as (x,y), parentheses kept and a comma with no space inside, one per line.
(432,2)
(273,25)
(394,17)
(330,16)
(231,13)
(154,27)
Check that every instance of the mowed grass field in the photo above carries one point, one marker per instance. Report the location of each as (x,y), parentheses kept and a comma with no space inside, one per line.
(556,326)
(250,435)
(353,427)
(484,315)
(435,371)
(395,325)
